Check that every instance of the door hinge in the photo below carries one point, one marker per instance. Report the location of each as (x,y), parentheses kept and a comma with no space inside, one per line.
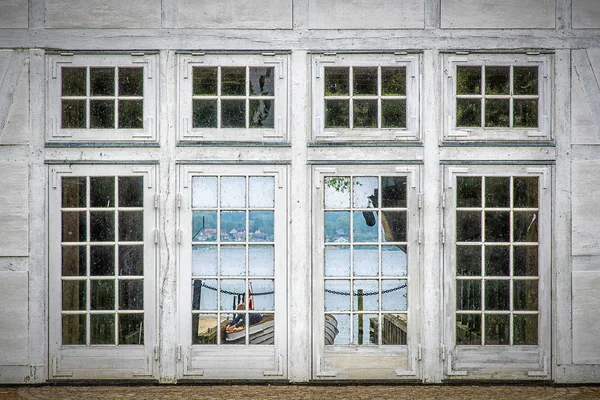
(419,352)
(156,236)
(443,199)
(420,235)
(156,200)
(443,352)
(178,200)
(179,233)
(443,235)
(179,351)
(156,353)
(420,200)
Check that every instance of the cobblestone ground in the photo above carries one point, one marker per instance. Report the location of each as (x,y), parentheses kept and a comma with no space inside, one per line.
(305,392)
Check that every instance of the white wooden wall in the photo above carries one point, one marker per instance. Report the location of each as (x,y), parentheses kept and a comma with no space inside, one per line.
(569,27)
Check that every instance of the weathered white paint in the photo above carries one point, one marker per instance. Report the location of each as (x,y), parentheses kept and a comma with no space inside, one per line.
(366,14)
(586,96)
(586,325)
(235,14)
(14,106)
(490,14)
(14,14)
(13,312)
(104,14)
(586,14)
(586,219)
(14,208)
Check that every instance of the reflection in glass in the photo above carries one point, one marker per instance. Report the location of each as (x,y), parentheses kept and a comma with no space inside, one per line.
(468,294)
(497,226)
(468,112)
(363,188)
(261,114)
(204,329)
(525,295)
(394,329)
(131,329)
(74,261)
(204,191)
(525,113)
(525,192)
(102,114)
(73,114)
(263,298)
(337,226)
(393,261)
(393,224)
(204,260)
(337,81)
(204,81)
(131,226)
(525,80)
(497,191)
(366,295)
(468,260)
(131,81)
(261,260)
(393,113)
(261,225)
(204,294)
(233,260)
(337,192)
(337,114)
(497,329)
(337,261)
(261,191)
(393,81)
(102,295)
(365,113)
(343,327)
(468,80)
(233,191)
(468,226)
(73,192)
(102,330)
(363,334)
(525,226)
(262,81)
(73,81)
(204,226)
(362,232)
(365,81)
(131,294)
(233,226)
(74,295)
(525,329)
(131,260)
(497,260)
(233,113)
(233,81)
(102,260)
(74,329)
(497,112)
(337,295)
(131,191)
(468,329)
(131,114)
(204,114)
(232,293)
(468,191)
(394,295)
(525,260)
(497,80)
(497,295)
(393,192)
(366,260)
(102,81)
(74,226)
(102,191)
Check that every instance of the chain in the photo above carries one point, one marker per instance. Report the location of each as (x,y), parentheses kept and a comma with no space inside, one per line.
(235,293)
(366,293)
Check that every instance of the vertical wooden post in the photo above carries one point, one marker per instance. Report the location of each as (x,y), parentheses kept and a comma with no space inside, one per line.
(360,316)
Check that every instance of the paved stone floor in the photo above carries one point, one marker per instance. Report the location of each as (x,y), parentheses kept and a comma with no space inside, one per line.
(304,392)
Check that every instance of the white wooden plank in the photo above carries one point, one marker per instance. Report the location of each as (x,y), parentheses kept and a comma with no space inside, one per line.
(14,208)
(586,325)
(489,14)
(586,14)
(13,312)
(586,219)
(14,14)
(103,14)
(235,14)
(9,85)
(584,71)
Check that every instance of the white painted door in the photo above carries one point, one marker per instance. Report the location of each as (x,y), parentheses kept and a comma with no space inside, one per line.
(232,271)
(102,299)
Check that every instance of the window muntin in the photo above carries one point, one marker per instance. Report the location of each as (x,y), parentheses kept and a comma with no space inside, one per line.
(497,250)
(366,97)
(102,263)
(365,260)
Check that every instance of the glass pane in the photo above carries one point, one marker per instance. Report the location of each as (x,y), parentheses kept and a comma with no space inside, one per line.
(525,227)
(204,260)
(131,329)
(131,294)
(204,191)
(525,113)
(361,231)
(131,114)
(73,114)
(204,114)
(393,192)
(74,295)
(497,191)
(497,112)
(102,260)
(365,190)
(102,191)
(73,192)
(337,192)
(131,191)
(525,80)
(262,114)
(102,114)
(73,81)
(204,81)
(468,226)
(497,80)
(468,80)
(261,225)
(74,226)
(74,261)
(261,260)
(468,112)
(233,293)
(337,295)
(233,113)
(204,226)
(366,260)
(365,113)
(102,295)
(394,329)
(394,295)
(102,81)
(262,295)
(337,81)
(102,329)
(526,329)
(393,113)
(74,329)
(131,260)
(393,81)
(131,81)
(393,224)
(262,81)
(233,260)
(204,294)
(261,191)
(363,332)
(233,81)
(468,260)
(497,226)
(339,323)
(393,261)
(468,329)
(497,260)
(233,191)
(337,226)
(233,226)
(131,226)
(525,193)
(337,114)
(497,295)
(365,81)
(468,191)
(337,261)
(525,260)
(204,329)
(526,295)
(468,294)
(497,329)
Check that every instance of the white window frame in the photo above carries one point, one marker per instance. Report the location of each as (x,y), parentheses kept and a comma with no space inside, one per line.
(544,130)
(527,362)
(55,62)
(412,64)
(102,361)
(255,361)
(187,61)
(395,362)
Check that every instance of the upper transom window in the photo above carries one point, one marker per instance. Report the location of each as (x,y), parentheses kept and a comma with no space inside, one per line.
(365,97)
(498,97)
